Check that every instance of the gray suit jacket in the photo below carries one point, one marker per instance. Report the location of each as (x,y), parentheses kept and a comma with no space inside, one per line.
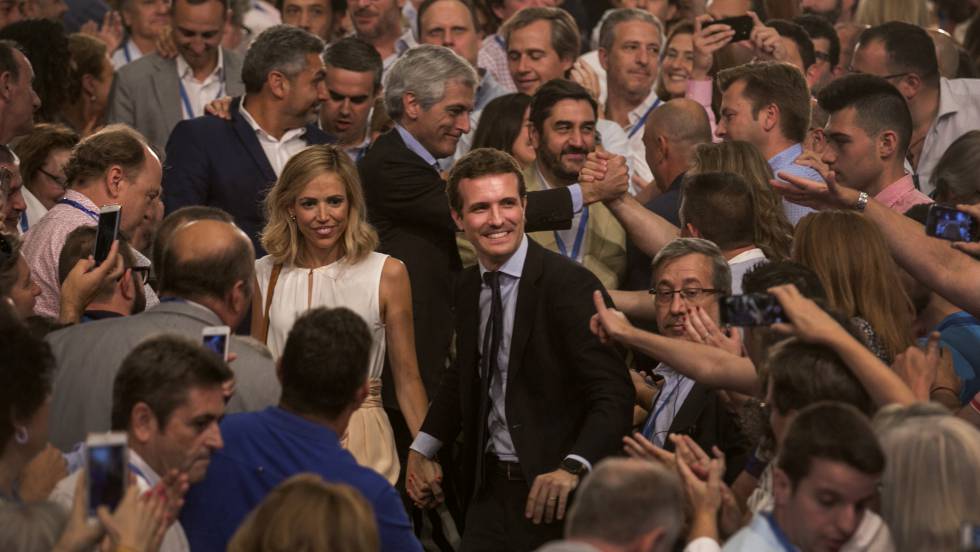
(146,95)
(89,355)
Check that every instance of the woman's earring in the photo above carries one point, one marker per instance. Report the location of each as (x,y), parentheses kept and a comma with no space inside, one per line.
(21,435)
(292,218)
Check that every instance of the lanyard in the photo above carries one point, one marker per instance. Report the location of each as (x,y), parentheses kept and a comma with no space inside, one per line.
(129,58)
(579,237)
(500,41)
(79,206)
(24,223)
(778,533)
(185,99)
(639,124)
(652,422)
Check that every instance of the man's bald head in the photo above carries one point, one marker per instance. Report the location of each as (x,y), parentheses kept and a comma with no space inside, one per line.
(206,258)
(680,120)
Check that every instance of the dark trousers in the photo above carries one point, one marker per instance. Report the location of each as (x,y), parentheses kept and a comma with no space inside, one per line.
(495,519)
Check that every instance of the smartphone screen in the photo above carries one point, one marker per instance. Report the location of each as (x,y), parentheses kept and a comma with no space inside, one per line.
(106,233)
(947,223)
(742,25)
(752,309)
(215,338)
(107,472)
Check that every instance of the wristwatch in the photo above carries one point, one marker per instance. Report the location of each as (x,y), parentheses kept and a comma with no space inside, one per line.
(862,202)
(573,467)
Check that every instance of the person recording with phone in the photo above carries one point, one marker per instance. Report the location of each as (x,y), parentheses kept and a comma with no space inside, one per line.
(167,397)
(119,296)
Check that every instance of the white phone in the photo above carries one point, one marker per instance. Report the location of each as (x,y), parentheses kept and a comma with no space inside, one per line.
(107,469)
(215,338)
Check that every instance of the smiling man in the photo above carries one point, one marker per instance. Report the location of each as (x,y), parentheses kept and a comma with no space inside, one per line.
(153,94)
(527,442)
(167,397)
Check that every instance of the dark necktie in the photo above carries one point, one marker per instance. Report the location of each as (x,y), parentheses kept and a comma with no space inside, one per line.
(488,369)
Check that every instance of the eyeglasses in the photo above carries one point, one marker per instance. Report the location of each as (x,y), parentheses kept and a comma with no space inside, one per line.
(822,56)
(854,71)
(143,272)
(689,294)
(60,180)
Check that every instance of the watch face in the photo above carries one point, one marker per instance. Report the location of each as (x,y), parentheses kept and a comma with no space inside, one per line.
(573,467)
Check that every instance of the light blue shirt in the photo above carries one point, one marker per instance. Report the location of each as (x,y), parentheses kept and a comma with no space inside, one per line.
(500,442)
(416,147)
(785,161)
(757,536)
(669,401)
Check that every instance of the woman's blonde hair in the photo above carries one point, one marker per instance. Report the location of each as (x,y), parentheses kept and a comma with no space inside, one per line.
(307,514)
(773,232)
(876,12)
(850,257)
(280,237)
(930,485)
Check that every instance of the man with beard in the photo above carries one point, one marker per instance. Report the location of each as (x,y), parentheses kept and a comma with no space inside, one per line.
(379,23)
(230,164)
(563,132)
(834,11)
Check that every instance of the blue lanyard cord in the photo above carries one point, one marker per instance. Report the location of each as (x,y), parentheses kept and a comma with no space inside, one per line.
(129,58)
(652,422)
(79,206)
(642,121)
(779,534)
(579,237)
(186,100)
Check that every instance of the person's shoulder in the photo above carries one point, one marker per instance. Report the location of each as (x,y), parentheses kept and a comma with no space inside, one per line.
(135,71)
(964,87)
(754,537)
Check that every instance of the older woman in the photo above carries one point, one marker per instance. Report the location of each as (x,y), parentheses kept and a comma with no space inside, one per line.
(321,253)
(43,155)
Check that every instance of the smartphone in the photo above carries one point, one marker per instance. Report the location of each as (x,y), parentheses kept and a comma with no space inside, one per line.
(946,223)
(752,309)
(107,468)
(215,338)
(107,232)
(742,25)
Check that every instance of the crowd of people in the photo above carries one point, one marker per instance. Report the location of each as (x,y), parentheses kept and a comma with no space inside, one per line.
(556,275)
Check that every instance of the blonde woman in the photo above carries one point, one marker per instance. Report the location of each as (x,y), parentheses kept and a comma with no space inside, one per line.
(321,254)
(773,231)
(876,12)
(307,513)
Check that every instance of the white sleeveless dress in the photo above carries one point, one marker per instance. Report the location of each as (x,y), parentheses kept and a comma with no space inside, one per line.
(357,287)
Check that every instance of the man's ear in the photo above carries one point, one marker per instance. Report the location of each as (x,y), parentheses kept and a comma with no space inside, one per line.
(113,181)
(143,424)
(126,285)
(888,144)
(603,58)
(7,81)
(457,218)
(663,147)
(811,76)
(533,136)
(278,84)
(770,117)
(692,231)
(782,487)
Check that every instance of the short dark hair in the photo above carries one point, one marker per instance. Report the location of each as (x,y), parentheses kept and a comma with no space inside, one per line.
(211,276)
(763,276)
(426,4)
(338,6)
(33,149)
(954,176)
(719,205)
(113,145)
(501,122)
(177,219)
(803,373)
(160,372)
(353,54)
(280,48)
(769,82)
(877,105)
(909,49)
(477,163)
(224,4)
(830,431)
(798,35)
(325,361)
(46,47)
(8,62)
(565,35)
(553,92)
(27,371)
(818,27)
(79,245)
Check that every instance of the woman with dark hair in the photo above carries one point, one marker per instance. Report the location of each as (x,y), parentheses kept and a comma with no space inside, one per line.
(676,62)
(955,175)
(504,126)
(89,85)
(43,155)
(46,47)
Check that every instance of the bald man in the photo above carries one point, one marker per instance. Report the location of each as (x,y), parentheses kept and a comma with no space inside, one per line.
(206,278)
(671,134)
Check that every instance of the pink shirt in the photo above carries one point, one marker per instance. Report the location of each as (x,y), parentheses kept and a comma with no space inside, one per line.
(701,92)
(901,195)
(493,58)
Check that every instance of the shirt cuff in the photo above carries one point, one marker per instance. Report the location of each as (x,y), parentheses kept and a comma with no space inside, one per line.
(588,465)
(702,544)
(576,191)
(426,445)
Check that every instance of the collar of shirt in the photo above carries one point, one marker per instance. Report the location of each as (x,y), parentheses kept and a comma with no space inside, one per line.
(148,473)
(357,151)
(514,267)
(667,372)
(751,254)
(894,191)
(785,158)
(414,145)
(405,42)
(638,112)
(947,100)
(186,74)
(81,199)
(286,136)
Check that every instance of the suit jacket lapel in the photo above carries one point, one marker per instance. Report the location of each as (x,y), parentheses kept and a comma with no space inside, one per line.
(166,89)
(527,299)
(687,417)
(469,327)
(250,141)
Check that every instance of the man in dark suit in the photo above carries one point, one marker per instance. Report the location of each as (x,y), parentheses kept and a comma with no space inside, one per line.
(231,164)
(535,414)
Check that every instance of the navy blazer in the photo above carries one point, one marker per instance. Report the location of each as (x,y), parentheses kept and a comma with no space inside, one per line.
(219,163)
